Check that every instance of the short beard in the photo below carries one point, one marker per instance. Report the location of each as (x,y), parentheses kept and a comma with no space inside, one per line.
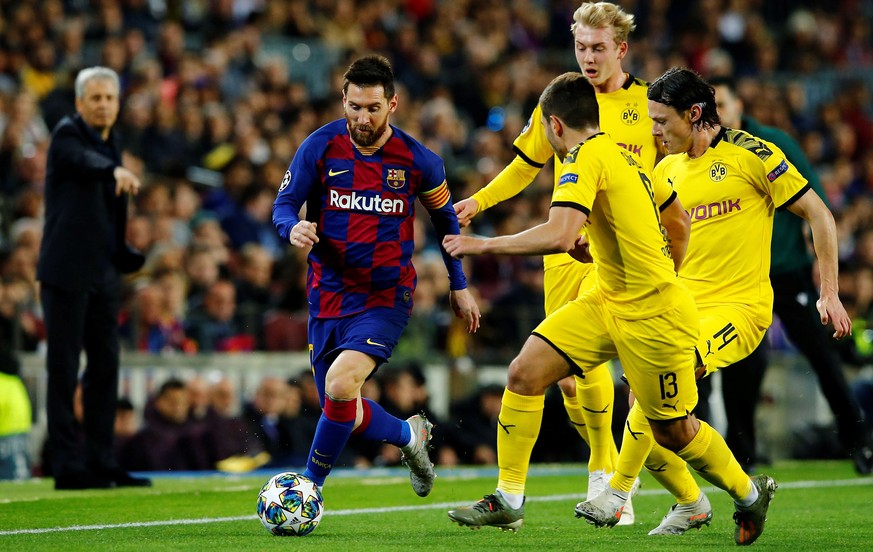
(367,139)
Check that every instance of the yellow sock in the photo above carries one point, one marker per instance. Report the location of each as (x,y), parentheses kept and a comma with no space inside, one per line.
(635,446)
(518,427)
(710,457)
(577,418)
(596,398)
(672,473)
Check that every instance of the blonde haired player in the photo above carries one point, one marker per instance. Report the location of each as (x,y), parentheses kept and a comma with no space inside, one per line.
(600,31)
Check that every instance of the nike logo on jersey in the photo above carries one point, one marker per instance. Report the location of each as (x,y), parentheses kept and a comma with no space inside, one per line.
(332,172)
(371,342)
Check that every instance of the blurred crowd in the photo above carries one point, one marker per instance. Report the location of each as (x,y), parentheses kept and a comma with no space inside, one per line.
(216,97)
(205,423)
(218,94)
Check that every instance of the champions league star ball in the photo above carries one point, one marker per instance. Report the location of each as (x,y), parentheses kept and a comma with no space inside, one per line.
(290,504)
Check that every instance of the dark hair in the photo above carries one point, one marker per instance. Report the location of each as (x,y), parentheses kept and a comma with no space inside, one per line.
(370,71)
(681,88)
(725,81)
(172,384)
(570,97)
(124,403)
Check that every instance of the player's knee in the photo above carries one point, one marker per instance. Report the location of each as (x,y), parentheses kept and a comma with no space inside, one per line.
(524,378)
(568,386)
(342,386)
(673,435)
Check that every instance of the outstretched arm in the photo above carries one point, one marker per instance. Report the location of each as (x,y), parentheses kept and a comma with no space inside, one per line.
(557,235)
(824,235)
(514,178)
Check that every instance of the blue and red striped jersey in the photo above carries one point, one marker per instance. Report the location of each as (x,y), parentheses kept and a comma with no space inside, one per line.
(363,204)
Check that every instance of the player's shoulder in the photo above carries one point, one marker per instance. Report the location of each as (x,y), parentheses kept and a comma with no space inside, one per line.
(597,150)
(745,144)
(636,88)
(321,137)
(420,152)
(534,122)
(633,82)
(668,162)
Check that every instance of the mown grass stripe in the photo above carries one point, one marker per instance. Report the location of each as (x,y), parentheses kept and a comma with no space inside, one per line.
(391,509)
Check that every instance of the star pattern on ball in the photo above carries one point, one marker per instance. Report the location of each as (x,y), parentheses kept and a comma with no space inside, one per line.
(274,493)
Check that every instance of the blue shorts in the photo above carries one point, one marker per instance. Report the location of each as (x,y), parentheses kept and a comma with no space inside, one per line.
(374,332)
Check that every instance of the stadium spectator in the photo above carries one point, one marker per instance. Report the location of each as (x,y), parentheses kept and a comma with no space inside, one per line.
(250,221)
(198,398)
(474,426)
(126,423)
(404,394)
(168,440)
(223,399)
(221,427)
(253,293)
(150,325)
(269,426)
(213,326)
(202,270)
(21,327)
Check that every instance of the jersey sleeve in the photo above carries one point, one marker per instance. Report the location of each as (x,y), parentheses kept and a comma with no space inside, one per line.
(777,176)
(578,183)
(514,178)
(299,180)
(664,192)
(437,199)
(532,152)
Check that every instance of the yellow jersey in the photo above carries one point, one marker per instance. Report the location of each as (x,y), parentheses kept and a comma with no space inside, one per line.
(731,193)
(633,267)
(623,116)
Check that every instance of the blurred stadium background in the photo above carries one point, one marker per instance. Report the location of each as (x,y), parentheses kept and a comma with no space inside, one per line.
(218,94)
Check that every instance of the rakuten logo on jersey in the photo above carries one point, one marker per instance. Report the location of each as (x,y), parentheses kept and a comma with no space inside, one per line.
(350,200)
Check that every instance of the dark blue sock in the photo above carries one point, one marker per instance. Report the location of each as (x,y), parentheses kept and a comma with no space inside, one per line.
(378,425)
(331,434)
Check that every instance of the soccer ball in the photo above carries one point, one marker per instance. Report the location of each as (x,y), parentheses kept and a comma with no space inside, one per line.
(290,504)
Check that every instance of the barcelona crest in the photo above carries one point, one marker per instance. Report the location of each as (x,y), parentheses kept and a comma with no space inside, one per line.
(396,178)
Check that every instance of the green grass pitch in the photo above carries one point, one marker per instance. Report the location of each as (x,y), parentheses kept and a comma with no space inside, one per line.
(819,506)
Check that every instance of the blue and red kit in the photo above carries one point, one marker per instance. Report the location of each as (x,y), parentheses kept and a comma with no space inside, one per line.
(361,279)
(364,208)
